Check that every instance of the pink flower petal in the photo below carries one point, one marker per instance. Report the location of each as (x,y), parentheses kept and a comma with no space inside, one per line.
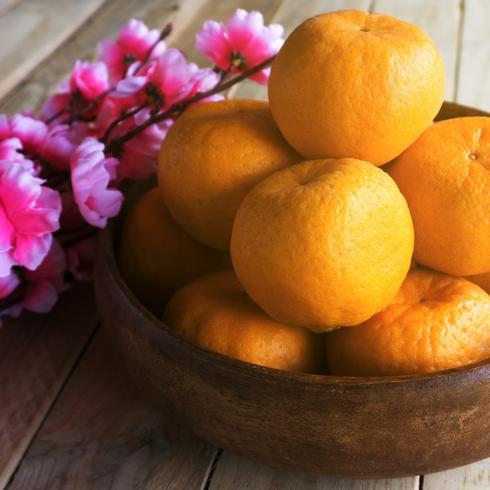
(90,176)
(30,250)
(91,79)
(8,284)
(31,132)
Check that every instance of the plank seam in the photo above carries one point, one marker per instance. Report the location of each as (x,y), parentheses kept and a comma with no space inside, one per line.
(212,468)
(72,369)
(459,49)
(421,482)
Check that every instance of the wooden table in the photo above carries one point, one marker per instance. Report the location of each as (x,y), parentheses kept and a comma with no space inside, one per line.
(70,419)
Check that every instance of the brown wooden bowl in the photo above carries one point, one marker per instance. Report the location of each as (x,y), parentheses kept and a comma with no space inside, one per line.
(352,427)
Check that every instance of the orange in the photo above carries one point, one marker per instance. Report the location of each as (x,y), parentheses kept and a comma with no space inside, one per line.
(435,322)
(212,156)
(482,280)
(216,314)
(353,84)
(323,243)
(156,257)
(445,177)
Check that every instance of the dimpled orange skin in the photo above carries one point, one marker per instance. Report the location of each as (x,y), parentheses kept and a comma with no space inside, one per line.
(482,280)
(435,322)
(324,243)
(353,84)
(215,313)
(156,257)
(448,193)
(212,156)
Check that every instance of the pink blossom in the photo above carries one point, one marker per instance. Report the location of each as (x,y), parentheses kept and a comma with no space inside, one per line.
(30,131)
(139,156)
(203,80)
(91,173)
(5,131)
(111,109)
(241,44)
(29,213)
(46,281)
(11,152)
(58,147)
(132,44)
(164,81)
(90,79)
(81,259)
(58,104)
(8,284)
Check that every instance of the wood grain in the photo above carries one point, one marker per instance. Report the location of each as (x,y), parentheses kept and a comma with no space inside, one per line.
(471,477)
(440,19)
(37,352)
(31,30)
(103,435)
(290,14)
(235,472)
(474,67)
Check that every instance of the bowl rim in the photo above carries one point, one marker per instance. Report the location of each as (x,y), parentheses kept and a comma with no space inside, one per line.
(107,259)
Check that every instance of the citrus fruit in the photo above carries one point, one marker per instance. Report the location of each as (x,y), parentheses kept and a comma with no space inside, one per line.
(215,313)
(324,243)
(212,156)
(156,257)
(445,178)
(435,322)
(353,84)
(482,280)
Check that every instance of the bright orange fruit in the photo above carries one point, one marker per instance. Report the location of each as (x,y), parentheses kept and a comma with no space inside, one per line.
(353,84)
(156,256)
(323,243)
(215,313)
(435,322)
(445,178)
(212,156)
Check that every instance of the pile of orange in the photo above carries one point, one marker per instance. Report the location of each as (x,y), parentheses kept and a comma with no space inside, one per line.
(336,229)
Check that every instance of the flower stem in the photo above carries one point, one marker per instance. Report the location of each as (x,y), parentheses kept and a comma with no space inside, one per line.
(126,115)
(116,144)
(163,34)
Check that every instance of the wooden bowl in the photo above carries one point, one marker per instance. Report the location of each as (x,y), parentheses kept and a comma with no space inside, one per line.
(352,427)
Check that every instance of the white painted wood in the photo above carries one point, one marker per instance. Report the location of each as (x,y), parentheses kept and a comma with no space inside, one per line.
(31,30)
(440,19)
(471,477)
(474,72)
(236,472)
(290,14)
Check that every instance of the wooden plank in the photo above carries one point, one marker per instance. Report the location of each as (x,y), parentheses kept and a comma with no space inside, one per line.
(471,477)
(7,5)
(440,19)
(103,434)
(31,30)
(37,352)
(474,71)
(290,14)
(236,472)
